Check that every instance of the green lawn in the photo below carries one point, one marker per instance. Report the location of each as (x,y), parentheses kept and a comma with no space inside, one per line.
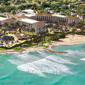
(45,46)
(17,48)
(2,49)
(30,33)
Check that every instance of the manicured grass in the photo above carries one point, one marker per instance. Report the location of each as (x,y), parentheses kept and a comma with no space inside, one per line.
(2,49)
(26,45)
(17,48)
(45,46)
(46,41)
(30,33)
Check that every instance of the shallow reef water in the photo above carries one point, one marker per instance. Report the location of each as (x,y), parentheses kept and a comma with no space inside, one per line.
(44,68)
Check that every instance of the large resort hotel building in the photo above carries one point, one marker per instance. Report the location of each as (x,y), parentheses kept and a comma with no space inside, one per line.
(39,26)
(26,23)
(38,21)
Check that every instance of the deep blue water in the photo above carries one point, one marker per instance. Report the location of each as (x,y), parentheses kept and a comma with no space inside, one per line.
(44,68)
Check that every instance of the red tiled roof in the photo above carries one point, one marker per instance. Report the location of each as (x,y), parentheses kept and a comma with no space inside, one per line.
(72,18)
(39,23)
(13,30)
(9,20)
(23,16)
(43,14)
(76,27)
(16,16)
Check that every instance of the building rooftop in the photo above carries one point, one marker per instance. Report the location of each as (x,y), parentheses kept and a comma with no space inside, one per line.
(23,16)
(21,36)
(1,18)
(31,21)
(72,18)
(29,11)
(39,23)
(30,15)
(57,15)
(43,14)
(9,20)
(20,16)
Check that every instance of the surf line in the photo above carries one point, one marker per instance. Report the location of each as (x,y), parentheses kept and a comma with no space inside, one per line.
(55,51)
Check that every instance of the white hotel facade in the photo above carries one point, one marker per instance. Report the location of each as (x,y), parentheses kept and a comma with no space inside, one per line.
(63,20)
(39,26)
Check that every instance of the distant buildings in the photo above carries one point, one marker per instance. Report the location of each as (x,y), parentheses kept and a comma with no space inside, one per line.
(29,11)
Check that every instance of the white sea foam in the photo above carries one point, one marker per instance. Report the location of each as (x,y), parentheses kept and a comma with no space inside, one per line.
(19,59)
(58,59)
(43,66)
(16,62)
(75,53)
(40,65)
(83,59)
(42,52)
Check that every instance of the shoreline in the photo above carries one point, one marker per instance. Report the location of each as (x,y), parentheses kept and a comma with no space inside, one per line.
(69,40)
(68,44)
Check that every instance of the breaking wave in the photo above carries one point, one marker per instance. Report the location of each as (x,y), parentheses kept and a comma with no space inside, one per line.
(83,59)
(75,53)
(36,64)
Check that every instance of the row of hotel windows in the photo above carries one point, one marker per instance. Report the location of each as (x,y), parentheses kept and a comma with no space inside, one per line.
(50,18)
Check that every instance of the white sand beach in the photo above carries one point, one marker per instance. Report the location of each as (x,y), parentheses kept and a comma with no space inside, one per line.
(69,40)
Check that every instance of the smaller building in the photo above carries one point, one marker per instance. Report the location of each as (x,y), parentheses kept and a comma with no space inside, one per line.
(70,20)
(73,13)
(21,36)
(1,19)
(29,11)
(9,21)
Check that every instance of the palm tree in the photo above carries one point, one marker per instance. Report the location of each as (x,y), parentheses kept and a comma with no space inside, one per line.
(27,29)
(34,6)
(51,25)
(5,24)
(0,26)
(32,30)
(30,37)
(56,22)
(73,32)
(81,24)
(18,26)
(3,29)
(41,36)
(20,29)
(24,27)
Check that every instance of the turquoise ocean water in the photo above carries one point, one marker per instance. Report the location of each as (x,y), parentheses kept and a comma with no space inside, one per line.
(44,68)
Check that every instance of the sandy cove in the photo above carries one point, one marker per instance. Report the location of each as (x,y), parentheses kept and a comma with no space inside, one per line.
(69,40)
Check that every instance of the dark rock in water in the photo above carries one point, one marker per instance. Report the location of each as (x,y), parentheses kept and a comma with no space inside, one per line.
(54,51)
